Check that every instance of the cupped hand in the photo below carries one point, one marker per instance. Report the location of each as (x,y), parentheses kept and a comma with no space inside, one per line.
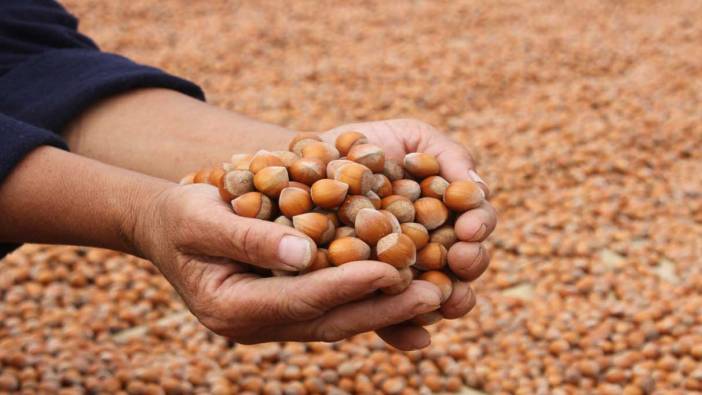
(468,258)
(211,256)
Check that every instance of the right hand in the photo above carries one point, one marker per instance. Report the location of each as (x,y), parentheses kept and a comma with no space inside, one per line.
(199,245)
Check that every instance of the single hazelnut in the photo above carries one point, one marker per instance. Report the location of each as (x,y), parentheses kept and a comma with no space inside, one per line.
(430,212)
(296,184)
(202,175)
(328,193)
(330,214)
(358,177)
(418,233)
(348,139)
(315,225)
(287,157)
(441,280)
(463,195)
(263,159)
(421,165)
(294,201)
(188,179)
(397,250)
(431,257)
(406,275)
(215,177)
(320,150)
(307,170)
(253,205)
(228,166)
(321,261)
(381,185)
(407,188)
(283,220)
(434,186)
(235,183)
(369,155)
(371,225)
(271,180)
(401,207)
(334,165)
(238,158)
(393,221)
(375,199)
(350,208)
(348,249)
(301,140)
(393,170)
(445,235)
(344,231)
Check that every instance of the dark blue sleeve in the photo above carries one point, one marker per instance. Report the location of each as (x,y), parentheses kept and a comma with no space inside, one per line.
(50,73)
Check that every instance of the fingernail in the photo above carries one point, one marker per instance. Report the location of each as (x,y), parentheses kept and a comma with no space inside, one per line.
(426,319)
(477,179)
(478,257)
(295,251)
(479,233)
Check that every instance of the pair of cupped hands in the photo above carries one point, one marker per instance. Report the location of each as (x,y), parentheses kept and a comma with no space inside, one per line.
(209,255)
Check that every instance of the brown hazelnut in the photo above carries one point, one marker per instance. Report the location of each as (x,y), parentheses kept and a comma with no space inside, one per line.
(397,250)
(393,221)
(371,225)
(401,207)
(431,257)
(321,261)
(242,161)
(407,188)
(320,150)
(358,177)
(350,208)
(287,157)
(294,201)
(348,139)
(334,165)
(348,249)
(463,195)
(369,155)
(329,193)
(393,170)
(236,183)
(253,205)
(271,180)
(445,235)
(418,233)
(315,225)
(406,275)
(202,176)
(433,186)
(421,165)
(263,159)
(430,212)
(375,199)
(330,214)
(381,185)
(296,184)
(441,280)
(215,177)
(283,220)
(307,170)
(301,140)
(344,231)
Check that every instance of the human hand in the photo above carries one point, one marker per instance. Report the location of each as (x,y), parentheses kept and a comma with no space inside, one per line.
(210,256)
(468,258)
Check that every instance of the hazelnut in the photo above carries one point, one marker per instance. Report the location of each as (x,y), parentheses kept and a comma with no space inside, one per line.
(348,249)
(320,150)
(381,185)
(350,208)
(441,280)
(406,275)
(283,220)
(215,177)
(401,207)
(253,205)
(321,261)
(431,257)
(418,233)
(397,250)
(301,140)
(296,184)
(287,157)
(445,235)
(369,155)
(421,165)
(227,167)
(371,225)
(348,139)
(434,186)
(407,188)
(393,221)
(271,180)
(202,176)
(358,177)
(329,193)
(236,183)
(241,161)
(263,159)
(307,170)
(315,225)
(294,201)
(330,214)
(393,170)
(430,212)
(344,231)
(375,199)
(334,165)
(188,179)
(463,195)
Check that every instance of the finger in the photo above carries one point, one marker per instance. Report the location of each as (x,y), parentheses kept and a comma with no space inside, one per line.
(406,337)
(368,315)
(476,224)
(455,160)
(264,244)
(468,260)
(276,300)
(461,301)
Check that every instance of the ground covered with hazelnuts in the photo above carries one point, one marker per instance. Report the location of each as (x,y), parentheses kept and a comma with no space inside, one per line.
(584,117)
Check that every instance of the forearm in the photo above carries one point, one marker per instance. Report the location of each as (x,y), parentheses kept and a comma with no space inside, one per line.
(54,196)
(167,134)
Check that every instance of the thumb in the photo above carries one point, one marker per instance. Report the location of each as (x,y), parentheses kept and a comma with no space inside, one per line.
(267,244)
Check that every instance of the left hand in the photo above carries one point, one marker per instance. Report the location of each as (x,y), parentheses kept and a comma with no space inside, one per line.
(467,258)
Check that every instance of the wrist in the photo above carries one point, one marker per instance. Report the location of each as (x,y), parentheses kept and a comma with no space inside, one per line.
(139,215)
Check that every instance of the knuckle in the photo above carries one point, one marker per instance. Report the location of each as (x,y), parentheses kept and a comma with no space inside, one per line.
(330,333)
(302,308)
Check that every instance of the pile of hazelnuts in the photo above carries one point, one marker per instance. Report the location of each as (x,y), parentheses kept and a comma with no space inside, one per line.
(353,202)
